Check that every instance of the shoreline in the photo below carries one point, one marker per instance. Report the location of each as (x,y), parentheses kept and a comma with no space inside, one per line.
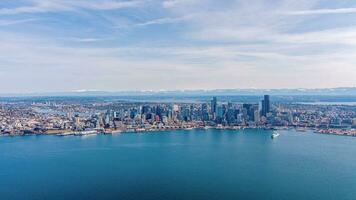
(324,131)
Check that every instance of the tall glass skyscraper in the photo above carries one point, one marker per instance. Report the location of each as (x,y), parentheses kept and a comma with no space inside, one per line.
(265,105)
(214,102)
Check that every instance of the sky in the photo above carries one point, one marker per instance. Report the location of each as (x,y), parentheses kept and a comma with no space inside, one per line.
(121,45)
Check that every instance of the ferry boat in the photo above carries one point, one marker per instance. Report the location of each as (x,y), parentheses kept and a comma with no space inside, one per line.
(274,135)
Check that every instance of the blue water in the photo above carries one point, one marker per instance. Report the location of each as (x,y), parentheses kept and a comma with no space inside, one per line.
(199,164)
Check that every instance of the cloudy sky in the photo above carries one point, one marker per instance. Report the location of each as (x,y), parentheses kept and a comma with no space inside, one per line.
(113,45)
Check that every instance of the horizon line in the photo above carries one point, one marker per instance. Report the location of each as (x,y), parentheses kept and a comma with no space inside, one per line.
(50,93)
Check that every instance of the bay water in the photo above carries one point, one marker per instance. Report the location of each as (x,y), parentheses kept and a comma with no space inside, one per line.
(197,164)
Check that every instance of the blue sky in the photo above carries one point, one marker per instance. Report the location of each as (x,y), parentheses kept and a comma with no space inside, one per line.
(113,45)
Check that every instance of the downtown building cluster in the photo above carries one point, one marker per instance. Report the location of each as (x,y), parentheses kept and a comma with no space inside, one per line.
(186,115)
(97,116)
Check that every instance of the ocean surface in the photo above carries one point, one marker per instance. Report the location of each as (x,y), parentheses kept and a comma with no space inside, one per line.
(198,164)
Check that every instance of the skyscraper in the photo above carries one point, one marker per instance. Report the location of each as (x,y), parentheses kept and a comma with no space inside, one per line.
(265,105)
(214,102)
(205,112)
(249,110)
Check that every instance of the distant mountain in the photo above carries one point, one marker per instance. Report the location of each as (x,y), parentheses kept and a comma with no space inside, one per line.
(344,91)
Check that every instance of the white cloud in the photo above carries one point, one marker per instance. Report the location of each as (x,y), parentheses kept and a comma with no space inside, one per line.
(107,5)
(41,6)
(35,7)
(345,36)
(237,44)
(89,40)
(166,20)
(14,22)
(58,67)
(174,3)
(322,11)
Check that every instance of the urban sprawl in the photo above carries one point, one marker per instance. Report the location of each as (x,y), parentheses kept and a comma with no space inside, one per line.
(109,117)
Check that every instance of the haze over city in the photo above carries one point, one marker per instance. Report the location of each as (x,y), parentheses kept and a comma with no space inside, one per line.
(67,45)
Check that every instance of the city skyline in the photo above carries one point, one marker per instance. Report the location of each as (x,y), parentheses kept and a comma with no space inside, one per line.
(66,116)
(116,45)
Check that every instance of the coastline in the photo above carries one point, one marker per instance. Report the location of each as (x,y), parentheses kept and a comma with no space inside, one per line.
(326,131)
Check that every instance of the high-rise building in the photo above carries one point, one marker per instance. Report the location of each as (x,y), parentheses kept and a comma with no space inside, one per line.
(145,109)
(257,116)
(175,108)
(219,115)
(230,115)
(249,111)
(214,103)
(205,112)
(265,105)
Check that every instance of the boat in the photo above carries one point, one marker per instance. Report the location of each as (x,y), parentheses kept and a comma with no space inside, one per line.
(274,135)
